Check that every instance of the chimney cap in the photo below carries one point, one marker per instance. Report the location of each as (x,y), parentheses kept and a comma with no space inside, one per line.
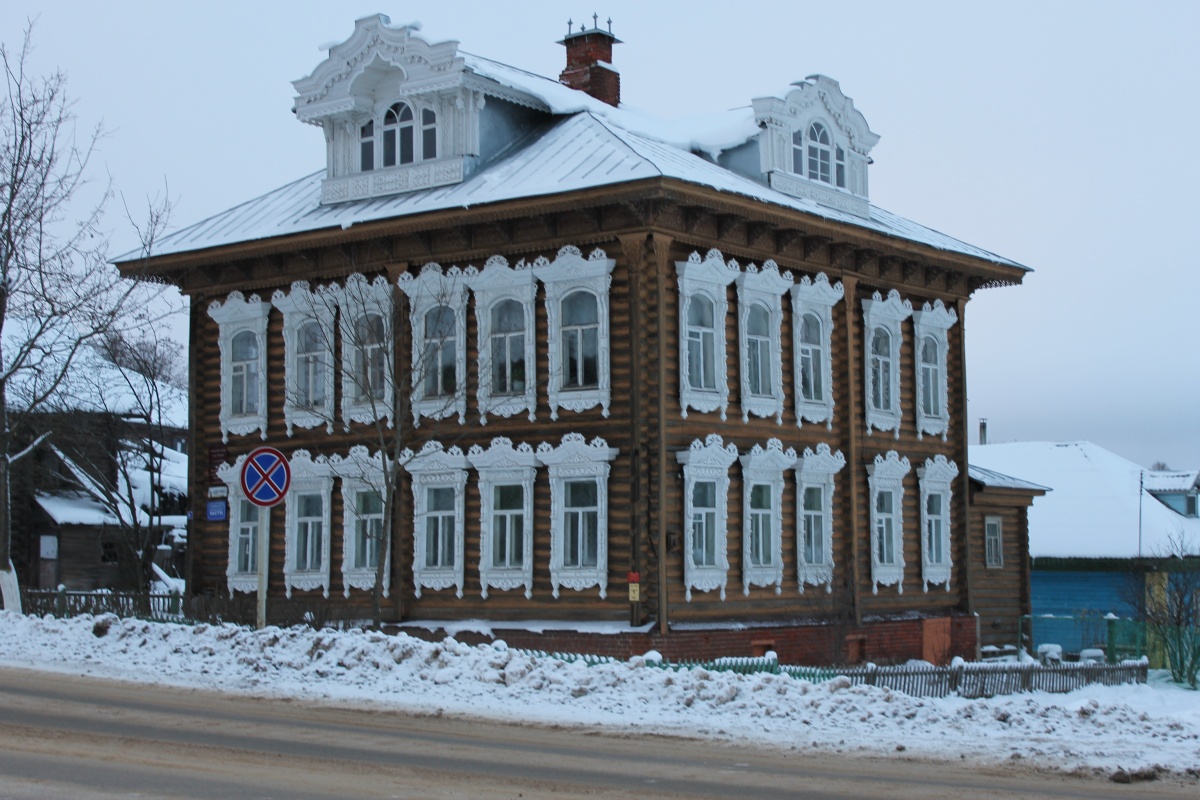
(595,29)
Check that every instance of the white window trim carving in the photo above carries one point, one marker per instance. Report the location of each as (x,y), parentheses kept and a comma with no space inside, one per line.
(764,286)
(573,459)
(309,476)
(707,461)
(362,472)
(239,313)
(816,469)
(299,307)
(431,288)
(764,466)
(887,314)
(357,298)
(503,465)
(936,477)
(569,272)
(435,468)
(936,321)
(231,476)
(887,474)
(494,284)
(708,276)
(815,296)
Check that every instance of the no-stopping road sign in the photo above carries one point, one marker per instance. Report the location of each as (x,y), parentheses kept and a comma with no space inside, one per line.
(266,477)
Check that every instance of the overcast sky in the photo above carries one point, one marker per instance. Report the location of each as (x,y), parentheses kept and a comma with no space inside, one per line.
(1055,134)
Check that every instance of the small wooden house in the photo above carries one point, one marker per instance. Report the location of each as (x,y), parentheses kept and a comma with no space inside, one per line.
(639,384)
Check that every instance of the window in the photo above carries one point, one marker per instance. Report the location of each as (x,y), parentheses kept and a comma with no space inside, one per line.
(798,152)
(506,476)
(364,535)
(762,514)
(1190,505)
(306,556)
(819,153)
(365,324)
(882,320)
(439,478)
(931,325)
(397,135)
(308,351)
(815,471)
(839,168)
(504,313)
(428,134)
(936,480)
(993,542)
(246,540)
(886,482)
(706,487)
(577,311)
(760,319)
(246,520)
(366,147)
(243,337)
(578,512)
(437,312)
(703,385)
(370,358)
(812,333)
(108,552)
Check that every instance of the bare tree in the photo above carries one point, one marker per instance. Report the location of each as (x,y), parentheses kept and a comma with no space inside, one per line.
(58,293)
(1167,601)
(1159,466)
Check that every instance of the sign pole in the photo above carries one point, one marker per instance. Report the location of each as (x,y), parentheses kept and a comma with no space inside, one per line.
(264,557)
(266,477)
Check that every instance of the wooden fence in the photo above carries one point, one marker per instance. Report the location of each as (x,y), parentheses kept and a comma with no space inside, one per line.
(124,604)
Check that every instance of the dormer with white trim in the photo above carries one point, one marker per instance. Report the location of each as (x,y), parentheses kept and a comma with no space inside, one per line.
(816,145)
(400,113)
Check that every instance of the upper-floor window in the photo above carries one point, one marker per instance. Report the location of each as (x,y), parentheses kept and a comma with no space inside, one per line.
(886,484)
(798,152)
(366,146)
(882,320)
(931,325)
(438,315)
(504,314)
(370,358)
(508,348)
(311,362)
(760,319)
(394,139)
(440,358)
(428,133)
(397,135)
(308,352)
(703,382)
(368,362)
(812,333)
(243,337)
(577,312)
(812,359)
(706,489)
(819,153)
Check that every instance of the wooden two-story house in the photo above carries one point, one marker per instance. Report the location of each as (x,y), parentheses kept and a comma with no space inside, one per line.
(634,384)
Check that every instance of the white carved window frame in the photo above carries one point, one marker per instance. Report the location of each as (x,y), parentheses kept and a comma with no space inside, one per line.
(239,313)
(762,286)
(706,461)
(936,477)
(816,469)
(934,321)
(231,476)
(437,468)
(494,284)
(362,472)
(888,314)
(576,459)
(357,298)
(430,288)
(709,277)
(299,307)
(817,297)
(567,273)
(764,466)
(886,474)
(309,476)
(501,464)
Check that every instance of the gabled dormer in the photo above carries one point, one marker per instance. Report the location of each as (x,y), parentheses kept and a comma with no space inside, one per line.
(815,144)
(400,113)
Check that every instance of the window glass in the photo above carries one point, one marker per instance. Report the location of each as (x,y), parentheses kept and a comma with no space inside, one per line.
(758,355)
(931,397)
(428,134)
(508,348)
(814,525)
(884,529)
(508,525)
(761,534)
(310,366)
(701,343)
(798,152)
(366,148)
(581,539)
(819,153)
(370,357)
(934,546)
(812,370)
(247,544)
(580,340)
(704,523)
(244,377)
(881,370)
(368,529)
(440,378)
(439,527)
(309,531)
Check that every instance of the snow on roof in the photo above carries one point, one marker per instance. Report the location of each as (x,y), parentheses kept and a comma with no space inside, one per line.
(998,480)
(1093,508)
(1171,481)
(75,508)
(580,152)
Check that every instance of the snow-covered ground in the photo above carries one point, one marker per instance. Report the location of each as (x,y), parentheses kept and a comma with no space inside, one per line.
(1097,728)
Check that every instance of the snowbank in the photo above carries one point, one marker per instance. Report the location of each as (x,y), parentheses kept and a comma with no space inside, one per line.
(1131,727)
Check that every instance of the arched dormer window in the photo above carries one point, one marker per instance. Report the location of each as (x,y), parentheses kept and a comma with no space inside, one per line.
(798,152)
(397,135)
(428,134)
(820,153)
(366,138)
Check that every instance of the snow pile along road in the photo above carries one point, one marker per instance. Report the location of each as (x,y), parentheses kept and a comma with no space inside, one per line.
(1130,727)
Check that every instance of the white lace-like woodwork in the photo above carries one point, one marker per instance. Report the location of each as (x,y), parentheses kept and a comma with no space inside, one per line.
(764,287)
(936,477)
(240,313)
(358,299)
(494,284)
(504,465)
(309,476)
(706,461)
(299,307)
(706,277)
(817,297)
(436,468)
(886,474)
(817,470)
(431,288)
(764,466)
(933,321)
(886,314)
(362,472)
(231,476)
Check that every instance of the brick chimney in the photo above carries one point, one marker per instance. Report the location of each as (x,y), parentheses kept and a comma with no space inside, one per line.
(589,62)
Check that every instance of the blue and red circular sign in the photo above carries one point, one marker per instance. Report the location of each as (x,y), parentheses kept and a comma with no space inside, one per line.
(266,477)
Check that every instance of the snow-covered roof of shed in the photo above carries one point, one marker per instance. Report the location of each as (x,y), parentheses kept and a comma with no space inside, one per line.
(580,152)
(998,480)
(75,508)
(1095,508)
(1172,480)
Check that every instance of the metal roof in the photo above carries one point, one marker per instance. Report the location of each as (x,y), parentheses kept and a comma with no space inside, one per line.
(998,480)
(1171,481)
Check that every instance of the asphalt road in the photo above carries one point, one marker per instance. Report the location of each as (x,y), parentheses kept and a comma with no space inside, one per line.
(81,738)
